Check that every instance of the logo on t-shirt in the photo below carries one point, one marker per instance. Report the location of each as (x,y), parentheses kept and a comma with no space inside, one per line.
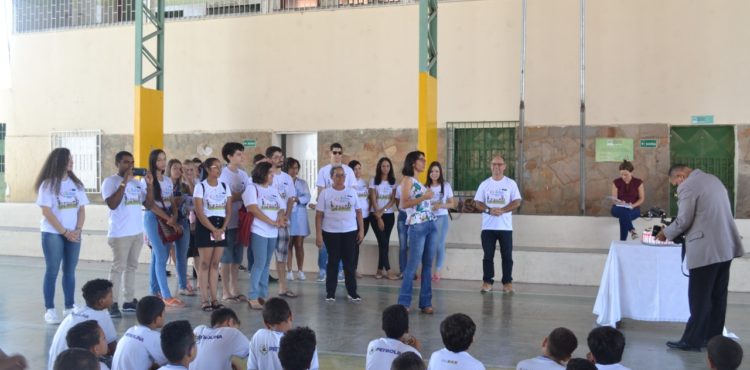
(340,204)
(132,195)
(217,200)
(269,203)
(67,199)
(495,197)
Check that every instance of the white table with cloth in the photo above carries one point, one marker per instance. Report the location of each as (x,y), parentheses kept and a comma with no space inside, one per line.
(642,282)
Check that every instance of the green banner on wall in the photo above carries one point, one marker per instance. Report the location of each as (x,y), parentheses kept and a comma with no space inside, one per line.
(613,149)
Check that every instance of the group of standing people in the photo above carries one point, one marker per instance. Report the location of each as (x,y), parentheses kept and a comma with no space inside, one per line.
(213,212)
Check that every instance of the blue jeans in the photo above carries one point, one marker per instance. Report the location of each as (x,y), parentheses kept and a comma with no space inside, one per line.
(442,224)
(403,246)
(626,217)
(159,256)
(262,252)
(181,247)
(422,245)
(233,251)
(58,250)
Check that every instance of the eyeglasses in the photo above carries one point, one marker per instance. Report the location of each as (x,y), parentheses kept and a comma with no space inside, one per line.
(498,164)
(339,175)
(214,167)
(337,152)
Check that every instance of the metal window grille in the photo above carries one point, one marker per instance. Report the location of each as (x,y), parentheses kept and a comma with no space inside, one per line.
(470,148)
(86,149)
(44,15)
(309,173)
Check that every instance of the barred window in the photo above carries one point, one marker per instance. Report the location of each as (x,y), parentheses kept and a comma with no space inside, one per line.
(85,147)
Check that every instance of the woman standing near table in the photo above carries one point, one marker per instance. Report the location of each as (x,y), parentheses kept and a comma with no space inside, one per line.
(628,195)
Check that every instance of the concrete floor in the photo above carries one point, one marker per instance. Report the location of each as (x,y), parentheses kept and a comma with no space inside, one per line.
(510,328)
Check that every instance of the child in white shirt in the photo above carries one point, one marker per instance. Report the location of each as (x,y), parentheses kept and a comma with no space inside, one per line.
(408,361)
(75,358)
(457,331)
(297,349)
(140,346)
(219,342)
(557,349)
(178,345)
(381,352)
(606,345)
(264,346)
(89,336)
(98,296)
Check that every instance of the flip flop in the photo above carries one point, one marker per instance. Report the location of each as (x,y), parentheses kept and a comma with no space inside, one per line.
(288,294)
(207,307)
(241,298)
(230,300)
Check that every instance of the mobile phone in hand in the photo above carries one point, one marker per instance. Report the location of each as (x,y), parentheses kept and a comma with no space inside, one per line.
(139,172)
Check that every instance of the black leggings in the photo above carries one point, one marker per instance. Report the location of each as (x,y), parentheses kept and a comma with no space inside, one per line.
(384,238)
(341,247)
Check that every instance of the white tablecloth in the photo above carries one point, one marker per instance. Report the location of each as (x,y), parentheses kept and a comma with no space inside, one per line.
(642,282)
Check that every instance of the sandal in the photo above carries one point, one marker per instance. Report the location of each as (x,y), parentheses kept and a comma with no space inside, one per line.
(216,305)
(633,235)
(240,298)
(207,307)
(254,305)
(230,300)
(288,294)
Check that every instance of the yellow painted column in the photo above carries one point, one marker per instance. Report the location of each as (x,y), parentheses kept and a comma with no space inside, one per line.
(148,133)
(427,134)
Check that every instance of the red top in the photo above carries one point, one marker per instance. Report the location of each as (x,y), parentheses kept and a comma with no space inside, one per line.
(628,192)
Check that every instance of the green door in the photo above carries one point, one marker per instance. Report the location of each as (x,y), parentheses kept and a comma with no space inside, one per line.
(709,148)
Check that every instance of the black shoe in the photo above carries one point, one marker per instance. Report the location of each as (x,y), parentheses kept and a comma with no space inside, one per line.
(242,268)
(683,346)
(130,306)
(272,279)
(114,311)
(169,273)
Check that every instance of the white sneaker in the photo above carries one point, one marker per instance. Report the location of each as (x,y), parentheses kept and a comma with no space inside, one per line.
(290,276)
(301,276)
(68,311)
(51,316)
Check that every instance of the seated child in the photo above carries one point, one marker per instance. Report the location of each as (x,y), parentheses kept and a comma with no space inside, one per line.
(606,345)
(264,346)
(724,353)
(178,345)
(297,349)
(457,331)
(98,296)
(76,358)
(397,340)
(557,348)
(140,348)
(89,336)
(408,361)
(219,342)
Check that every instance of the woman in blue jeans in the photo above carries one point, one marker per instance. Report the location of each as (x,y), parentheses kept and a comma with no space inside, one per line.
(422,234)
(441,202)
(159,206)
(265,203)
(181,196)
(62,198)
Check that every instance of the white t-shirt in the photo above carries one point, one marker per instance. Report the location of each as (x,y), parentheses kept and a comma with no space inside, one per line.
(139,348)
(264,351)
(616,366)
(64,205)
(269,202)
(325,181)
(127,218)
(167,192)
(441,198)
(284,184)
(80,314)
(216,346)
(539,363)
(497,194)
(363,197)
(214,198)
(383,192)
(103,366)
(339,209)
(236,183)
(381,353)
(445,359)
(172,367)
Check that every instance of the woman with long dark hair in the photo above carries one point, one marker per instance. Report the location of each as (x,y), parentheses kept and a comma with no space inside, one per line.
(180,193)
(160,207)
(213,209)
(62,198)
(383,198)
(440,203)
(422,234)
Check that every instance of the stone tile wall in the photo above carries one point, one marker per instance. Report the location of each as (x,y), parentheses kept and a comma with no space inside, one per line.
(742,191)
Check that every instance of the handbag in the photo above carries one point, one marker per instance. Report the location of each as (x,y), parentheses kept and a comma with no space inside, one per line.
(167,233)
(245,224)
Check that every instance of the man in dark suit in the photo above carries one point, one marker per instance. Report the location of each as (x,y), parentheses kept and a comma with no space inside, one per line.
(711,242)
